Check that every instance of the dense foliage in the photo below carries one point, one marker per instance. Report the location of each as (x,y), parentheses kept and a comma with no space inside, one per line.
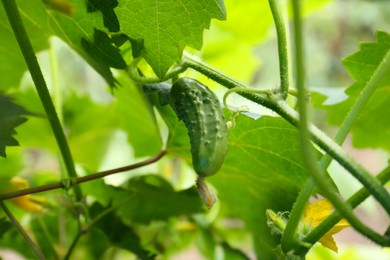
(109,66)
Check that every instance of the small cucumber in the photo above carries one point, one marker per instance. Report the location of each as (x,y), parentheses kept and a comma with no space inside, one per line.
(202,114)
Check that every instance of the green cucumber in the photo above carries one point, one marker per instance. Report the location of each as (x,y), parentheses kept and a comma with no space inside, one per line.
(200,109)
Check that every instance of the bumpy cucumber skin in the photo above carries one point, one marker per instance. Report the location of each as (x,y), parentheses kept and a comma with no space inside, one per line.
(202,114)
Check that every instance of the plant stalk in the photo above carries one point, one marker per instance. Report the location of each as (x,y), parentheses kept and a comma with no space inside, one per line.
(342,133)
(71,182)
(282,47)
(27,50)
(317,136)
(86,229)
(307,149)
(21,230)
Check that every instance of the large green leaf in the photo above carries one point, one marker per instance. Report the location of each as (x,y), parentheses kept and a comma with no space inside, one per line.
(371,129)
(82,31)
(263,169)
(11,115)
(144,199)
(150,197)
(166,27)
(119,234)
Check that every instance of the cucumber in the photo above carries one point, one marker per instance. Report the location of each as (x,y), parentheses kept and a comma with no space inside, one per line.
(200,109)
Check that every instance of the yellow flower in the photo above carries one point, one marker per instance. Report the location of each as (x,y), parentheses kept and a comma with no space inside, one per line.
(315,213)
(29,202)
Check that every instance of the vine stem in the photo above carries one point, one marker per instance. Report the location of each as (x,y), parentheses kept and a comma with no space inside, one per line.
(134,75)
(74,181)
(340,155)
(342,133)
(73,245)
(318,137)
(307,149)
(27,50)
(282,47)
(85,229)
(21,230)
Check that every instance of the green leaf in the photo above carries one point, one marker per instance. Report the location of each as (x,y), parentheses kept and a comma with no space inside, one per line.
(135,115)
(263,170)
(101,192)
(80,32)
(107,9)
(5,226)
(45,240)
(11,115)
(118,233)
(14,241)
(371,128)
(153,198)
(94,244)
(11,60)
(205,242)
(88,137)
(102,49)
(166,27)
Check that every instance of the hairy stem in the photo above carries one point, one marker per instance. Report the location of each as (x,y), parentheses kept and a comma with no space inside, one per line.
(282,47)
(76,181)
(21,230)
(134,75)
(341,156)
(289,235)
(307,149)
(41,87)
(342,133)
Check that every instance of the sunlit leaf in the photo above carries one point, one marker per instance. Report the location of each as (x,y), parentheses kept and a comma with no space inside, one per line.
(370,129)
(152,198)
(166,27)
